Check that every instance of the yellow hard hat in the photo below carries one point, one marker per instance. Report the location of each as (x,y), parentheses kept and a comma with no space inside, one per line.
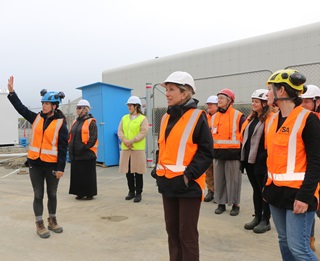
(291,77)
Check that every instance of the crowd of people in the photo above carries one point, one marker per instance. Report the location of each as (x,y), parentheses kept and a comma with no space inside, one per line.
(277,145)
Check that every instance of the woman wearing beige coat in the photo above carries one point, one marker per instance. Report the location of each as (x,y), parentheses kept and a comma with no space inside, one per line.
(132,132)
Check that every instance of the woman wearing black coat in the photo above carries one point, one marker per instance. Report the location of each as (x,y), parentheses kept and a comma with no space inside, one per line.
(83,145)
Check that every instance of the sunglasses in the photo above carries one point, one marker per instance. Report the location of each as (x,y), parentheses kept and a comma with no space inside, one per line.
(79,107)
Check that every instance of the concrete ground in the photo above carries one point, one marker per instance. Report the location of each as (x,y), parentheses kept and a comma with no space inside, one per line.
(111,228)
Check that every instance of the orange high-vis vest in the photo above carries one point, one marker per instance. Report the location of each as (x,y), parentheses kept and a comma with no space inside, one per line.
(85,135)
(287,160)
(225,129)
(209,116)
(246,122)
(177,151)
(44,143)
(243,127)
(267,124)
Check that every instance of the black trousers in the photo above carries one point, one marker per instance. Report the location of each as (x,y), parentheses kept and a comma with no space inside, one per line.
(258,181)
(38,176)
(135,182)
(181,216)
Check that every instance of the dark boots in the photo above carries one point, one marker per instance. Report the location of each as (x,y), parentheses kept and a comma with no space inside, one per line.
(258,225)
(263,226)
(252,224)
(137,198)
(235,210)
(135,185)
(220,209)
(130,195)
(209,196)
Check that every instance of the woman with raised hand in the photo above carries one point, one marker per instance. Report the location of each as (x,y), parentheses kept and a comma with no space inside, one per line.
(46,153)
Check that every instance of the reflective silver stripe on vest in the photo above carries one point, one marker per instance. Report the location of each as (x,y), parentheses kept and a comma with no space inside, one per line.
(34,149)
(289,176)
(270,122)
(54,150)
(185,136)
(49,152)
(173,168)
(183,143)
(212,120)
(162,119)
(34,125)
(292,146)
(234,131)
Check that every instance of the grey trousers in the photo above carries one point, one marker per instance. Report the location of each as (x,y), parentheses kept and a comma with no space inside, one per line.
(227,181)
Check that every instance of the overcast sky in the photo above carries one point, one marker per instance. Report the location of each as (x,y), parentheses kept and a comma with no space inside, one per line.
(63,44)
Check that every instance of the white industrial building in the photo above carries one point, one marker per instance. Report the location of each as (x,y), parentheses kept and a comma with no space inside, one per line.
(242,66)
(239,65)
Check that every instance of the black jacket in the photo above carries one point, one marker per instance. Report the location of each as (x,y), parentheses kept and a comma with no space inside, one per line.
(77,149)
(201,161)
(63,133)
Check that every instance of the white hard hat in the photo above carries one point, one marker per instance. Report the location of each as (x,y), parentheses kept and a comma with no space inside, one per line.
(260,94)
(182,78)
(212,99)
(312,92)
(134,100)
(84,103)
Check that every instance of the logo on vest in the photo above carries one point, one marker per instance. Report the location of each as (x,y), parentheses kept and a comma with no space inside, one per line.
(284,130)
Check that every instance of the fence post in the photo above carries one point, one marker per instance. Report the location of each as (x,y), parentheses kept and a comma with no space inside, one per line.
(149,118)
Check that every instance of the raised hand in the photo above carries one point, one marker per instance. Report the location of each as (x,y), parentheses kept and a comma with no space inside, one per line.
(10,84)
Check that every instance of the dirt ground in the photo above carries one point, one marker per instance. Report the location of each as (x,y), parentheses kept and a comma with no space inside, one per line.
(13,162)
(111,228)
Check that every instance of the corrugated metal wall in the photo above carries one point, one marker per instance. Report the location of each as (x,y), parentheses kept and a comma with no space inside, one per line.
(270,52)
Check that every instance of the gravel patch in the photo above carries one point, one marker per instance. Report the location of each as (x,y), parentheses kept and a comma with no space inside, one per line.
(14,161)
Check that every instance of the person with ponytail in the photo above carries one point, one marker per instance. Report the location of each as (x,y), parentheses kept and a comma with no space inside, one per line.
(293,163)
(46,153)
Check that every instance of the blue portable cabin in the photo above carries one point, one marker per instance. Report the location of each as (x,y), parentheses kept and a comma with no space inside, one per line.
(108,105)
